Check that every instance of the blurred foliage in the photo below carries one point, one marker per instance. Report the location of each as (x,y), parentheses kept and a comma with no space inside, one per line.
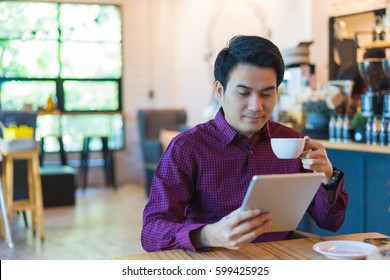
(359,121)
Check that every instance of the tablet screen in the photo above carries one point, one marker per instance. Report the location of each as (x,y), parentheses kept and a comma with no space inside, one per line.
(286,196)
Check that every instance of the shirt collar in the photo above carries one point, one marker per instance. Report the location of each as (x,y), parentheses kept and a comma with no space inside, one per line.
(229,133)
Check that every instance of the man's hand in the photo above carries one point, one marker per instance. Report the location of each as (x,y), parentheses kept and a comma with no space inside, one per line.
(233,231)
(314,157)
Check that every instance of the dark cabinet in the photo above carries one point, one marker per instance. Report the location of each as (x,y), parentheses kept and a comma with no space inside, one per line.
(367,180)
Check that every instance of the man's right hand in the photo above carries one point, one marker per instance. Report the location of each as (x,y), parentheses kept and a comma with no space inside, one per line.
(233,231)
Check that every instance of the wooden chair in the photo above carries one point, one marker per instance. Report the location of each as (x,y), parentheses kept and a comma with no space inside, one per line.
(108,161)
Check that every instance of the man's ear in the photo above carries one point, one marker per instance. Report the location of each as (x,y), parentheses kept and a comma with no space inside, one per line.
(218,91)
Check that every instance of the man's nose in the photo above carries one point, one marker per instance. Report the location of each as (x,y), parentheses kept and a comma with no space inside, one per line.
(255,103)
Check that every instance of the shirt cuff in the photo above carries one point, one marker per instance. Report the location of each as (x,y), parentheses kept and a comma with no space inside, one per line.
(183,236)
(339,189)
(338,194)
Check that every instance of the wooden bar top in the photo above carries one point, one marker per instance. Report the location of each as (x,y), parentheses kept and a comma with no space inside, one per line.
(356,147)
(294,249)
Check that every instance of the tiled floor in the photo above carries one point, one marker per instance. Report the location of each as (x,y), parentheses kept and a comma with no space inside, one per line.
(104,223)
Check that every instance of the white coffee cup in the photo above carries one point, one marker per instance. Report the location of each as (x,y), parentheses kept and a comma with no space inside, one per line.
(287,148)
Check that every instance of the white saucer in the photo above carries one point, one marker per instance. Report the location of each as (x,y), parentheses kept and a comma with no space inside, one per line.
(344,250)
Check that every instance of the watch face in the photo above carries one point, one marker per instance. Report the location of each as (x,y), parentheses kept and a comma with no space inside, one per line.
(334,177)
(333,180)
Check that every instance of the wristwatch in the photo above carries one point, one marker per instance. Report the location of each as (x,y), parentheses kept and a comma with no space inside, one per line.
(334,180)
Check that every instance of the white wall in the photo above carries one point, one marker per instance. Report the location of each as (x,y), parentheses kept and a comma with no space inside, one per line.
(203,27)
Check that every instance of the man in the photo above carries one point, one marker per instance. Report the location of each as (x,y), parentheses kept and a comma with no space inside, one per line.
(203,176)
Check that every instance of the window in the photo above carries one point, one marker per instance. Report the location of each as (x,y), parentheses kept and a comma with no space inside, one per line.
(71,53)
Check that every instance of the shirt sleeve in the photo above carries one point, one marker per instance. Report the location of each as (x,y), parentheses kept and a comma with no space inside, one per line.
(171,191)
(329,216)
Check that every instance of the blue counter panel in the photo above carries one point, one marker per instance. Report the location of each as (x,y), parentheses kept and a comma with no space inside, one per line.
(367,180)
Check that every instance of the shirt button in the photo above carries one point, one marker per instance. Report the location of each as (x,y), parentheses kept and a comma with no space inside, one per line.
(251,152)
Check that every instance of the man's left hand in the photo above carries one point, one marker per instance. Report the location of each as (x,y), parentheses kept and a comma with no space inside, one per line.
(314,158)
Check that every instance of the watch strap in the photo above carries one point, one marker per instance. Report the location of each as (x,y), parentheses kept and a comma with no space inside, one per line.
(334,180)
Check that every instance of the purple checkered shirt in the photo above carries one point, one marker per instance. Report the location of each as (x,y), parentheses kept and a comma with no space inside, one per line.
(204,174)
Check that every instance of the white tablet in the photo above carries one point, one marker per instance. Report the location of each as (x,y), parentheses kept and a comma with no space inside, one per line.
(286,196)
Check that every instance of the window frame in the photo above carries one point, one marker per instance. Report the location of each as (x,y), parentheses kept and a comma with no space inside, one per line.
(59,81)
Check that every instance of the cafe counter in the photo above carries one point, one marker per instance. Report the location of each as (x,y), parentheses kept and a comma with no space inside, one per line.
(367,180)
(356,147)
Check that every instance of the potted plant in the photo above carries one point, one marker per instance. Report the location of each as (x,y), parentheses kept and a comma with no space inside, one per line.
(359,125)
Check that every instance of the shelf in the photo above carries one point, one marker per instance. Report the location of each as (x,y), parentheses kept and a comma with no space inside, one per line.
(58,113)
(377,45)
(51,112)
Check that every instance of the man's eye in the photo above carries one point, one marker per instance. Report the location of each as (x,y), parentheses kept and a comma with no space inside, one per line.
(267,93)
(243,93)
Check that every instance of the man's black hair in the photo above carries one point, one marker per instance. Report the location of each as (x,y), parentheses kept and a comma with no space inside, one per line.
(250,50)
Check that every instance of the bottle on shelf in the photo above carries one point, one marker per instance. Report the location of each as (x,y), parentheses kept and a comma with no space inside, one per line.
(347,129)
(367,135)
(375,128)
(332,128)
(339,128)
(388,133)
(383,132)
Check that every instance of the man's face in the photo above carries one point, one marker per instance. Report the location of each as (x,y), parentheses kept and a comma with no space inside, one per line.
(249,98)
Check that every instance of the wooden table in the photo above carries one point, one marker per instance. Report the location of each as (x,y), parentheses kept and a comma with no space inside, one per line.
(294,249)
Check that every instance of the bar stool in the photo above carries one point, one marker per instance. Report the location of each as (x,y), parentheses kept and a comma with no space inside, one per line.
(34,202)
(7,229)
(108,161)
